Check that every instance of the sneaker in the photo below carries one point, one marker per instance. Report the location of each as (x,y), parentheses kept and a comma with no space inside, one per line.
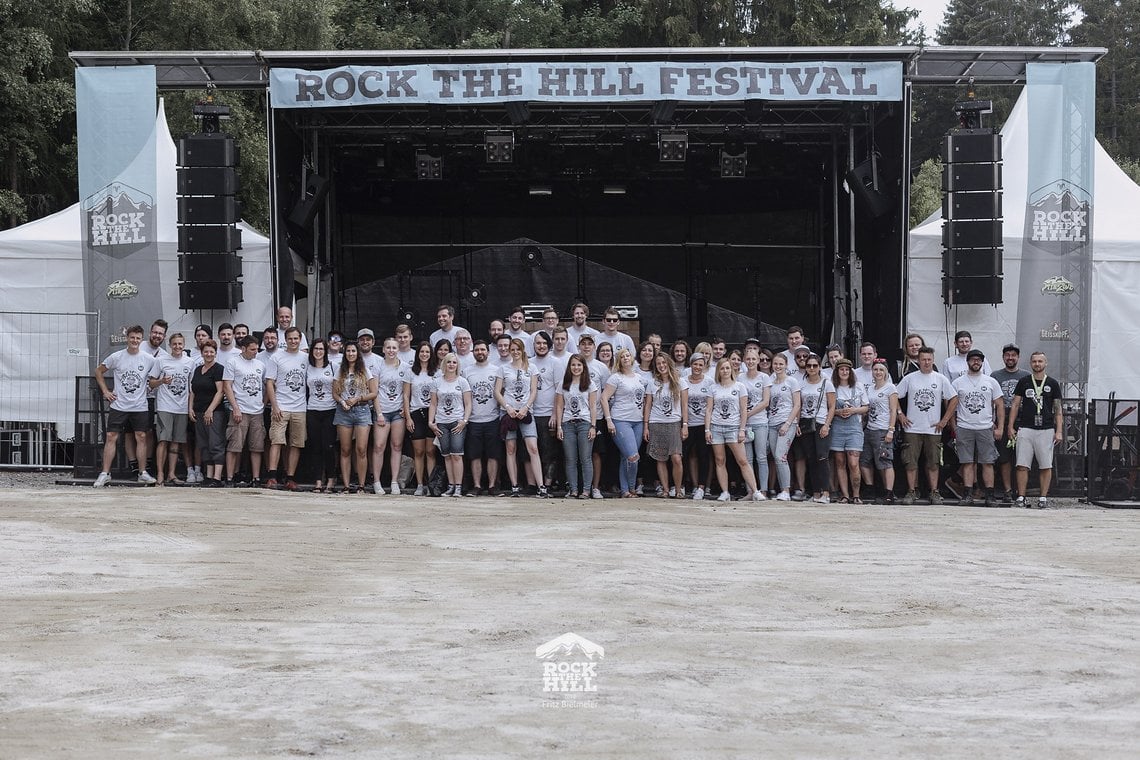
(270,484)
(1007,497)
(798,496)
(909,498)
(1019,502)
(957,488)
(672,492)
(698,494)
(395,489)
(516,492)
(457,492)
(967,501)
(1041,502)
(596,494)
(759,496)
(824,498)
(543,493)
(783,496)
(419,491)
(680,493)
(377,488)
(256,483)
(641,490)
(990,502)
(474,492)
(146,477)
(935,497)
(102,481)
(889,499)
(571,495)
(723,496)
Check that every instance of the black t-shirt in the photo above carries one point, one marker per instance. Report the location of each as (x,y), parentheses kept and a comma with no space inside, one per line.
(204,385)
(1051,394)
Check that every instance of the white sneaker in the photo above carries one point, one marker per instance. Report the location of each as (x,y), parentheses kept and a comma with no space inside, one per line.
(783,496)
(723,496)
(759,496)
(1041,502)
(672,492)
(395,488)
(596,494)
(660,491)
(377,489)
(457,491)
(822,499)
(698,494)
(102,481)
(419,491)
(798,496)
(146,477)
(640,490)
(195,476)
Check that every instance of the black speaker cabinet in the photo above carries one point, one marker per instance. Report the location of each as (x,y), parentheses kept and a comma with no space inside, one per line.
(208,209)
(971,146)
(863,180)
(960,290)
(208,150)
(976,234)
(218,239)
(207,180)
(972,262)
(965,177)
(307,206)
(971,205)
(209,267)
(209,295)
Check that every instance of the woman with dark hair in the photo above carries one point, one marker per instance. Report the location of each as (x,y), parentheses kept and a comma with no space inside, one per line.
(576,419)
(417,398)
(847,430)
(817,398)
(694,449)
(645,355)
(515,389)
(605,354)
(442,348)
(208,414)
(320,410)
(549,372)
(353,390)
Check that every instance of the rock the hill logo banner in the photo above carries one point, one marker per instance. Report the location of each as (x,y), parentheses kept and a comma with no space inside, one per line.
(1054,299)
(115,112)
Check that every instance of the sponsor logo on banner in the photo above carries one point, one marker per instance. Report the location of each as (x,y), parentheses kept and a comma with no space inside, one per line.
(119,337)
(1060,220)
(121,290)
(1056,332)
(1057,286)
(119,220)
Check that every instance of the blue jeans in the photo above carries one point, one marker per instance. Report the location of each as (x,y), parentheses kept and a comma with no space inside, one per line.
(627,435)
(779,446)
(576,445)
(756,452)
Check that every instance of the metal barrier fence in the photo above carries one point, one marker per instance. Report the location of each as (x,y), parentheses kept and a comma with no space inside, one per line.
(41,353)
(1114,451)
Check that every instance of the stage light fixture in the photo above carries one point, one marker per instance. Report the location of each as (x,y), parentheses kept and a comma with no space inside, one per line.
(428,166)
(541,190)
(613,190)
(531,255)
(733,160)
(500,147)
(673,145)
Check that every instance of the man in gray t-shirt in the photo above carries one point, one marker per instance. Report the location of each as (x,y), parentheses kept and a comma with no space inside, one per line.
(1007,378)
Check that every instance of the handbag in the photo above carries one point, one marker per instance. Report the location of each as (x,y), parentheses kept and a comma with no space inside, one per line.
(808,424)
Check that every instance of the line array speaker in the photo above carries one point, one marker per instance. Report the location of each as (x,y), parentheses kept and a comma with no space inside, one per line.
(209,295)
(972,217)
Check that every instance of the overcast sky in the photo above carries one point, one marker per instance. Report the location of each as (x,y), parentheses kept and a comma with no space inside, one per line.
(930,13)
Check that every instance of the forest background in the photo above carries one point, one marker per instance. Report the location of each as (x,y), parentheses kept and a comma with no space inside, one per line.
(38,174)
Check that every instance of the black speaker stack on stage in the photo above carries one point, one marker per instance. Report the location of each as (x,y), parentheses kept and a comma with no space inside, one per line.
(971,214)
(209,269)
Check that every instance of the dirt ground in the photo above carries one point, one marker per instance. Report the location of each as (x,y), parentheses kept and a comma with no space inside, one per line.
(197,623)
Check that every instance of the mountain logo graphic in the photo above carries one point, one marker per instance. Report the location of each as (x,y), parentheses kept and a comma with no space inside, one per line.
(569,645)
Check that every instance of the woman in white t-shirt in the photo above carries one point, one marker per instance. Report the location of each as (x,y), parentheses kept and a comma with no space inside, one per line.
(847,430)
(783,421)
(576,418)
(448,414)
(667,423)
(696,449)
(353,390)
(388,433)
(812,447)
(417,398)
(759,387)
(725,416)
(623,401)
(516,388)
(320,408)
(879,437)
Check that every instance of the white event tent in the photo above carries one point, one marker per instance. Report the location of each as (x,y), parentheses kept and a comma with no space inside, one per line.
(1114,360)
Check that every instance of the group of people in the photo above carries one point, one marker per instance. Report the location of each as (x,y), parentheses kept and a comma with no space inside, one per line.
(592,410)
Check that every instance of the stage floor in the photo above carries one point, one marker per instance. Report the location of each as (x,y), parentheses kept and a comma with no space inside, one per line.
(231,623)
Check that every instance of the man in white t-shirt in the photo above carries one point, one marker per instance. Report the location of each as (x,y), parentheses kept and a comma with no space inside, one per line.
(515,321)
(578,313)
(405,352)
(955,366)
(227,335)
(286,380)
(269,344)
(867,356)
(923,421)
(795,340)
(483,443)
(445,318)
(611,335)
(365,342)
(284,321)
(463,347)
(170,378)
(979,421)
(502,353)
(243,382)
(559,342)
(129,368)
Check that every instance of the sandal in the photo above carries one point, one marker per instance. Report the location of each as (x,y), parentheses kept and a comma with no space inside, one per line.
(856,500)
(319,487)
(844,500)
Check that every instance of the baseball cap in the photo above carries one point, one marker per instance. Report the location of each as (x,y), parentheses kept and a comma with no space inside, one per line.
(365,331)
(753,341)
(973,352)
(1011,347)
(802,348)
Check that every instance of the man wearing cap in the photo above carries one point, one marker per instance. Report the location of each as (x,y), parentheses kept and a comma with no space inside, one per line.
(1008,377)
(800,356)
(924,390)
(955,366)
(1036,423)
(979,417)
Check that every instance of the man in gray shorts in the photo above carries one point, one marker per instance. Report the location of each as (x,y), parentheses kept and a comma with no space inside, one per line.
(978,421)
(1036,422)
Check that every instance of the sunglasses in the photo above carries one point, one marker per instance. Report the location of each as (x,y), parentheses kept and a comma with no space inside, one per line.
(813,365)
(611,319)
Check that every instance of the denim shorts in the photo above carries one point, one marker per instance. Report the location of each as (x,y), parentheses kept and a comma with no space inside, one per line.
(393,416)
(725,434)
(358,416)
(528,430)
(451,442)
(846,435)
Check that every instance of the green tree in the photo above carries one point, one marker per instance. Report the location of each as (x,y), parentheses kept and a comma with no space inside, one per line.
(1114,24)
(925,191)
